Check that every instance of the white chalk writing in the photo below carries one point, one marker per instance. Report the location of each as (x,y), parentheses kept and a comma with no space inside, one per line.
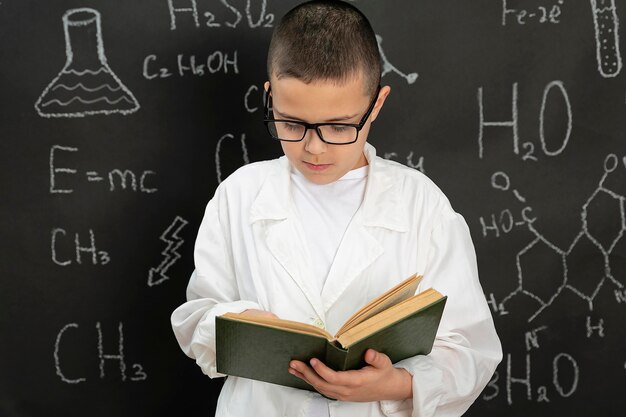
(514,122)
(117,179)
(214,63)
(218,148)
(211,20)
(548,13)
(97,257)
(118,356)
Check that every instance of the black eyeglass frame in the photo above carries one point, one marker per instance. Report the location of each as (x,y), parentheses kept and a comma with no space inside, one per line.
(316,126)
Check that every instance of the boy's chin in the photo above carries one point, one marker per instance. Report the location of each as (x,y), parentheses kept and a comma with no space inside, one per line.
(319,178)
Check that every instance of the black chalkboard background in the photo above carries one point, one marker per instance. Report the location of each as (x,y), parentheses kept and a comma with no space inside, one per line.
(545,204)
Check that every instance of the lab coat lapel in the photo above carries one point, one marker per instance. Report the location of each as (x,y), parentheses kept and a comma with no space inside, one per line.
(357,251)
(273,212)
(381,208)
(284,240)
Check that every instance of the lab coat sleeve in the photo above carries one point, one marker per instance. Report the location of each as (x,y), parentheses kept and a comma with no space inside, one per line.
(212,290)
(467,349)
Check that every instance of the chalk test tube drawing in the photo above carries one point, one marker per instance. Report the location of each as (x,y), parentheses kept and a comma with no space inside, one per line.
(388,67)
(170,236)
(86,85)
(606,24)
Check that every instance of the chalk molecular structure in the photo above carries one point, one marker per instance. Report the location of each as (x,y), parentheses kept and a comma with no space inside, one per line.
(594,245)
(389,67)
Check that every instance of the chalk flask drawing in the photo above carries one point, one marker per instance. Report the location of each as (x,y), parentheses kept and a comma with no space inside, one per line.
(86,85)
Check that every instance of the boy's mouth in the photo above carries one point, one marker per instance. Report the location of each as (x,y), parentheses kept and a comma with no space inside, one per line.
(316,167)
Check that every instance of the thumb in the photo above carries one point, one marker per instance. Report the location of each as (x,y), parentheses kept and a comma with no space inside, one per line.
(377,359)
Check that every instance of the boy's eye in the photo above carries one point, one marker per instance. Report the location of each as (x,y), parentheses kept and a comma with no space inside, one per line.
(292,126)
(339,129)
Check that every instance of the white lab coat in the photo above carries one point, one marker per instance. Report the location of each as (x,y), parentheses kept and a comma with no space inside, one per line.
(251,253)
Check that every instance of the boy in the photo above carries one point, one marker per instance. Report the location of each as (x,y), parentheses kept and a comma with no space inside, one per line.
(314,235)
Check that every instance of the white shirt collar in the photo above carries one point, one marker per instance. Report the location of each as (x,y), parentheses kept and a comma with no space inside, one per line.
(382,204)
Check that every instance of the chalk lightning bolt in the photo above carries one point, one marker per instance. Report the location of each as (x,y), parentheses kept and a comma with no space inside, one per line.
(170,236)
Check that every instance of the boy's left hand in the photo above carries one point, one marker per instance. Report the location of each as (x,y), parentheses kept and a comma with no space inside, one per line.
(379,380)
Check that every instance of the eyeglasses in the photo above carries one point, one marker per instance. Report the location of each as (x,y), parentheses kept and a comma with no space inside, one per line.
(331,133)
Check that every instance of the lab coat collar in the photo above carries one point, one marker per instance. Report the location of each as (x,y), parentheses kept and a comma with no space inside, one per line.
(382,203)
(274,210)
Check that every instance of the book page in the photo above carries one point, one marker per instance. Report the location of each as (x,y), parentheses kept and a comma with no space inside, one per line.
(390,316)
(289,325)
(404,290)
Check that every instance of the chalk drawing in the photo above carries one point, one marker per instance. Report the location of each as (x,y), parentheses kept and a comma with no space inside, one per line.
(265,19)
(589,238)
(138,372)
(592,328)
(57,360)
(419,165)
(246,97)
(216,62)
(540,14)
(514,122)
(86,85)
(117,357)
(388,67)
(556,380)
(565,383)
(173,10)
(170,236)
(532,338)
(98,257)
(606,25)
(218,148)
(118,179)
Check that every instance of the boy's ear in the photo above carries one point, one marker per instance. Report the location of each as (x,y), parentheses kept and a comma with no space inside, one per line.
(382,96)
(266,86)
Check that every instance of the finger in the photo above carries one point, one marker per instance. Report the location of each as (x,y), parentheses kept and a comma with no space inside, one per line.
(311,376)
(299,375)
(339,380)
(294,368)
(333,384)
(329,375)
(377,359)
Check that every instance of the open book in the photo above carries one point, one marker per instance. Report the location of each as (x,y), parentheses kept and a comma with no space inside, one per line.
(398,323)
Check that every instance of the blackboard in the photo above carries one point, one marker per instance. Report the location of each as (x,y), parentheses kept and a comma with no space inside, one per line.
(516,109)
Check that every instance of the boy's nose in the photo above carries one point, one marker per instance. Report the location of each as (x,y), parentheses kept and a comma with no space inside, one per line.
(313,143)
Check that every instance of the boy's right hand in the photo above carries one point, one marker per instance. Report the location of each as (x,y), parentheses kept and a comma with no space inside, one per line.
(258,313)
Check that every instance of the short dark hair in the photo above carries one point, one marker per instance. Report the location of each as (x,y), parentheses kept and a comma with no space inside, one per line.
(325,40)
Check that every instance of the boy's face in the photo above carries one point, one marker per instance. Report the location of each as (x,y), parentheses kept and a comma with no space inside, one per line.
(319,102)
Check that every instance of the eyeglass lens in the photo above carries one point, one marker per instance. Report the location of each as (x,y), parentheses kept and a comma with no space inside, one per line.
(296,132)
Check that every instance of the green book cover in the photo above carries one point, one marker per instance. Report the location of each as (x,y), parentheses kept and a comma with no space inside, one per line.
(263,353)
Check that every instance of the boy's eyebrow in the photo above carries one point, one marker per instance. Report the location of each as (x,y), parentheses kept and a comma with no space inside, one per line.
(334,119)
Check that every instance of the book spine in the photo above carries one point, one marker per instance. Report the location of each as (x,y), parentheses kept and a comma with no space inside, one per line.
(336,357)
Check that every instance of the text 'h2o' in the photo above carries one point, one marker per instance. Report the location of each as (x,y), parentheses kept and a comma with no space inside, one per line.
(529,147)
